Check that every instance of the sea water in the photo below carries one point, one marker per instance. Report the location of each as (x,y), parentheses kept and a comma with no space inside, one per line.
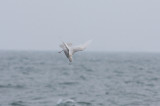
(92,79)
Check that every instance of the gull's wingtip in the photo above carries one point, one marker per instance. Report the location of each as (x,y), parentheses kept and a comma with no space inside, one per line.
(88,42)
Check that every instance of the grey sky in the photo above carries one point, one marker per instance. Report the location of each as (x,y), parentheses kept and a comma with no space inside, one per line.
(114,25)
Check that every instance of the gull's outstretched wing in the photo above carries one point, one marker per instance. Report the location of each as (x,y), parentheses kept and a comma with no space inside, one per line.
(67,48)
(81,47)
(63,46)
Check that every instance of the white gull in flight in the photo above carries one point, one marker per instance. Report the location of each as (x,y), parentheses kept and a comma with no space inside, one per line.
(69,50)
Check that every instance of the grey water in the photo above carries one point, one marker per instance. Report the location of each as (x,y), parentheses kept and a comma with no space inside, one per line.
(92,79)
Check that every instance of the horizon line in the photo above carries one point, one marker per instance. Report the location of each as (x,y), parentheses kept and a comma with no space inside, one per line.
(54,50)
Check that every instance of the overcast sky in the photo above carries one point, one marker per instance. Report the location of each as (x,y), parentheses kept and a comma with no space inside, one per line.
(114,25)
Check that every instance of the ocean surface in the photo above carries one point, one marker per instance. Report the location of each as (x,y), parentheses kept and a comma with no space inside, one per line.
(92,79)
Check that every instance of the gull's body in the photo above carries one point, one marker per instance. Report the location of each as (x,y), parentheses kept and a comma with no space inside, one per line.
(69,50)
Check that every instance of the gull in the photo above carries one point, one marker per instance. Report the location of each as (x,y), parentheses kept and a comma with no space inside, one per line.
(69,50)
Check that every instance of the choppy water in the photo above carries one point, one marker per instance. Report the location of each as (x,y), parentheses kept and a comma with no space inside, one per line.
(93,79)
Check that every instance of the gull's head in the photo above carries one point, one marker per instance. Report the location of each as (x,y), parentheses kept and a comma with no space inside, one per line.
(70,58)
